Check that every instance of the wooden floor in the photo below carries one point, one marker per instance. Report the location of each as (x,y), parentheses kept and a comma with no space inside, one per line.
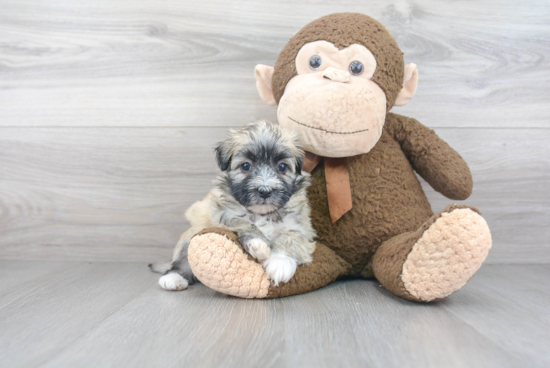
(83,314)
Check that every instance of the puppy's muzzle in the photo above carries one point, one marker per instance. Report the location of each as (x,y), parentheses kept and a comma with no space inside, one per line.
(264,192)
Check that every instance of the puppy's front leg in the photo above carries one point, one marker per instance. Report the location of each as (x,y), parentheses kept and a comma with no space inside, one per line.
(254,242)
(289,250)
(250,237)
(280,267)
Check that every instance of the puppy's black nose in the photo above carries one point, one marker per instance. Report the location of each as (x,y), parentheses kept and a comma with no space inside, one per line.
(264,192)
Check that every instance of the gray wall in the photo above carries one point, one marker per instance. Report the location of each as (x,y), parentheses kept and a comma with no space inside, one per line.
(109,112)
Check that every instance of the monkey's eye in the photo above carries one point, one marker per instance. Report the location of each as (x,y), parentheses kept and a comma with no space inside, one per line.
(282,168)
(356,67)
(315,62)
(245,167)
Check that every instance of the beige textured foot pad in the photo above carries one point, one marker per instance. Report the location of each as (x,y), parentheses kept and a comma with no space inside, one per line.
(447,255)
(222,265)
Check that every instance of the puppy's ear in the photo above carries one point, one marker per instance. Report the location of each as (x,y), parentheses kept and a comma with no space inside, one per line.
(223,155)
(299,163)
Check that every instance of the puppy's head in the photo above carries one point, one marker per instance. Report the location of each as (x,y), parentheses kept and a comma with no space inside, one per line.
(262,166)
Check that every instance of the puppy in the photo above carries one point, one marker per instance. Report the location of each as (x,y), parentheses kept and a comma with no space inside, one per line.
(261,196)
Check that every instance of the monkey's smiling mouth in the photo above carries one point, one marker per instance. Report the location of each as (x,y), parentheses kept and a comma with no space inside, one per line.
(328,131)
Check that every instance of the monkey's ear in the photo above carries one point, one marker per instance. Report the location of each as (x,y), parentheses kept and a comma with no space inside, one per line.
(223,155)
(410,83)
(264,74)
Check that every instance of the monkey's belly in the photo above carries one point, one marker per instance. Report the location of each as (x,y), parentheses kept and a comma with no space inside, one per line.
(387,200)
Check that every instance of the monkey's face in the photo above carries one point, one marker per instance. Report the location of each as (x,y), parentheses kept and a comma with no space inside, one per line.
(335,81)
(332,101)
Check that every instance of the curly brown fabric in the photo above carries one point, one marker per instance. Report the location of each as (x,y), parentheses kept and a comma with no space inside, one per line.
(441,166)
(325,268)
(387,200)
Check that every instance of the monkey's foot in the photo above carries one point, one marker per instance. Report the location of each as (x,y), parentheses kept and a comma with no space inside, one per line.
(219,262)
(437,259)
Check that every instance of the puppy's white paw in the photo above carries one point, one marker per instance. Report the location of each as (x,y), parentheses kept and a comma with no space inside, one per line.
(280,268)
(258,249)
(173,281)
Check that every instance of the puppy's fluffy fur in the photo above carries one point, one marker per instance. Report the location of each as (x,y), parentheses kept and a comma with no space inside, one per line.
(261,196)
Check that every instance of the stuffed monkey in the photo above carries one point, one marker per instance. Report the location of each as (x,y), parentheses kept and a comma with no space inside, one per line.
(335,83)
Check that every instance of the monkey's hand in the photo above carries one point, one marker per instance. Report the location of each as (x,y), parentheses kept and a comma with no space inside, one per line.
(256,247)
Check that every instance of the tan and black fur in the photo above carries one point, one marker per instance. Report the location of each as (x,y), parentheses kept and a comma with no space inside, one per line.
(260,195)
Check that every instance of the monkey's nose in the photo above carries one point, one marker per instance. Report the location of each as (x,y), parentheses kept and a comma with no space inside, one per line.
(264,192)
(336,75)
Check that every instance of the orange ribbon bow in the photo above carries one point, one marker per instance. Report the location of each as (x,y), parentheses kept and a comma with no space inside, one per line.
(338,185)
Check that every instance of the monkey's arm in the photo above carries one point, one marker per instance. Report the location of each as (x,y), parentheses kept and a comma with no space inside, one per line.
(440,165)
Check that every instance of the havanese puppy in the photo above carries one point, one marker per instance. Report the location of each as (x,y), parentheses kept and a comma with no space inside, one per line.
(261,196)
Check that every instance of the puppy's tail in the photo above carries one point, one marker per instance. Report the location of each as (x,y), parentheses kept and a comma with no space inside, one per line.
(160,267)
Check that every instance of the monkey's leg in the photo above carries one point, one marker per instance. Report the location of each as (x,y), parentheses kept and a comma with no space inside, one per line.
(436,260)
(219,262)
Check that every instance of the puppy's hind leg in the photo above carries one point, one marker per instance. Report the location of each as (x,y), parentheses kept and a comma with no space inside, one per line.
(160,267)
(181,248)
(173,281)
(179,275)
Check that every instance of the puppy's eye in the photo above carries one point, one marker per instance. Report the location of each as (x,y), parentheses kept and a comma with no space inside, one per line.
(282,168)
(245,166)
(315,62)
(356,67)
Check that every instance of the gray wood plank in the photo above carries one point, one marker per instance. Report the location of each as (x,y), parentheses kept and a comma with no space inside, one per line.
(120,194)
(18,291)
(105,314)
(510,310)
(45,316)
(532,277)
(149,63)
(348,324)
(14,273)
(194,328)
(357,323)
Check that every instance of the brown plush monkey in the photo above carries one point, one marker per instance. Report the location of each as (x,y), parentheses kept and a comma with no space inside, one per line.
(335,82)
